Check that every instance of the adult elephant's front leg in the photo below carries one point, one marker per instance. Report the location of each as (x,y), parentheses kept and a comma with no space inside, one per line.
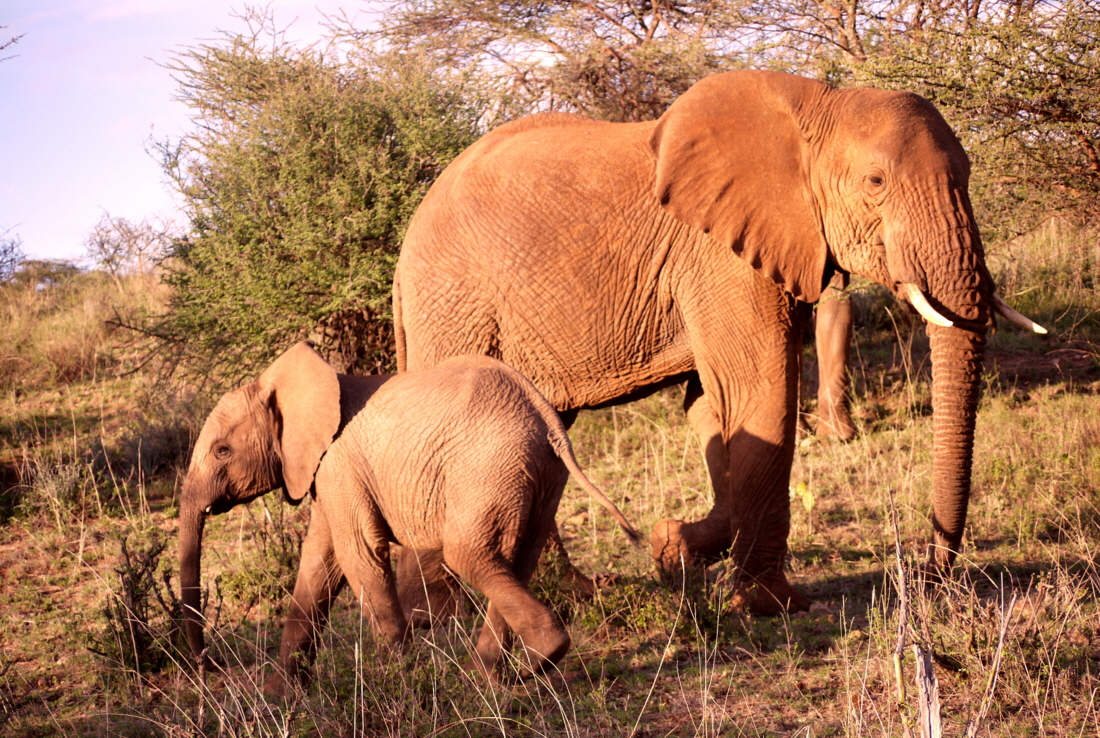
(833,336)
(743,406)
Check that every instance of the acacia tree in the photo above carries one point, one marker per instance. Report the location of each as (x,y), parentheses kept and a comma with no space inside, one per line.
(120,246)
(620,60)
(297,180)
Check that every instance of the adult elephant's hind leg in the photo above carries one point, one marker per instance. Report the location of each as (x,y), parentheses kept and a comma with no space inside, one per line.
(677,544)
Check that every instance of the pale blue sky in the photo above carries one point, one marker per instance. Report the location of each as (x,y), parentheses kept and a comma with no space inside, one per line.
(83,98)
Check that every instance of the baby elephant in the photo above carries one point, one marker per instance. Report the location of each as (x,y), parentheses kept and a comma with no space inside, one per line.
(466,458)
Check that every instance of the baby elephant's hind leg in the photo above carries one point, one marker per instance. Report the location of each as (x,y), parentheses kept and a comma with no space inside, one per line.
(511,606)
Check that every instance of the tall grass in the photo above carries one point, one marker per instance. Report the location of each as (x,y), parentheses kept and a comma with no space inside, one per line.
(76,410)
(1012,642)
(58,332)
(1053,273)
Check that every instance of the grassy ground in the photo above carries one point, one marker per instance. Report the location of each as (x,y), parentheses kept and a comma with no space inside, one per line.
(87,542)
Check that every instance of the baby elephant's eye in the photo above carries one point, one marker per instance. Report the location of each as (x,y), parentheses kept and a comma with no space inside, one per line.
(222,451)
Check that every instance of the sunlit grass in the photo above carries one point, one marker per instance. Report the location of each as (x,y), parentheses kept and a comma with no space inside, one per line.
(648,658)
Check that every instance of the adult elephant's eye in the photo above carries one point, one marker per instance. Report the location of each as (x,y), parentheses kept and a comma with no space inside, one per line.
(876,180)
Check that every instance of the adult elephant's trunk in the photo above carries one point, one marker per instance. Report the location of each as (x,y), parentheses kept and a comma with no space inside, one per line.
(192,521)
(962,289)
(956,385)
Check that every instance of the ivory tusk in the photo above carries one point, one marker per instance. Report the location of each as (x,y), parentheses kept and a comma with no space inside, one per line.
(208,508)
(1012,316)
(917,299)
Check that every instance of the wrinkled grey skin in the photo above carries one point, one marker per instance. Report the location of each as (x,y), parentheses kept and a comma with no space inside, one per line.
(605,261)
(466,461)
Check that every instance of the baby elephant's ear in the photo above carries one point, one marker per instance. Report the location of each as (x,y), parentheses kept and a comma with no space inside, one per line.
(305,393)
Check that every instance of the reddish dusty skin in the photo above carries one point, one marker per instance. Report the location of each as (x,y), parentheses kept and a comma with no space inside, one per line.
(604,261)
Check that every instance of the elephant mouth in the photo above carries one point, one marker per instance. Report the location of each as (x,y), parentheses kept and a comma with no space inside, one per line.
(914,295)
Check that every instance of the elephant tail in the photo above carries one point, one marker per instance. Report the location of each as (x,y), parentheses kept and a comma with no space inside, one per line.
(564,449)
(399,327)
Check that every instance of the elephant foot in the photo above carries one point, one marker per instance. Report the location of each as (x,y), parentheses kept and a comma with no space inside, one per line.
(771,595)
(678,546)
(542,649)
(835,425)
(768,595)
(670,550)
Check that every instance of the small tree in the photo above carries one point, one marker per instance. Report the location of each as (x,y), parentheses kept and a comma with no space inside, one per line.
(298,181)
(44,274)
(119,246)
(11,255)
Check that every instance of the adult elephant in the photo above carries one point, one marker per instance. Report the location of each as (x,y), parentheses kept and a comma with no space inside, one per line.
(608,260)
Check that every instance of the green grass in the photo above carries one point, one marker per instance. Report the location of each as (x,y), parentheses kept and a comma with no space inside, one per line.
(649,658)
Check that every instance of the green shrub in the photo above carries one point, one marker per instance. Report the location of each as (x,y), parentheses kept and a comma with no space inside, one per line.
(297,182)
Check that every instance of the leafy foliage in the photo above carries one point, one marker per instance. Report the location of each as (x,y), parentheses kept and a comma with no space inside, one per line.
(298,181)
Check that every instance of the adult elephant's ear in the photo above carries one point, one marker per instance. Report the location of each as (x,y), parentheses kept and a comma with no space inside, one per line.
(731,160)
(304,393)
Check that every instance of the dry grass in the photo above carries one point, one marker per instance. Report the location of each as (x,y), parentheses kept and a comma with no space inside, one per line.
(1013,641)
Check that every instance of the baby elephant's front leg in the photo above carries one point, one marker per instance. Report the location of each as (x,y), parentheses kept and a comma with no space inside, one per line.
(363,552)
(319,582)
